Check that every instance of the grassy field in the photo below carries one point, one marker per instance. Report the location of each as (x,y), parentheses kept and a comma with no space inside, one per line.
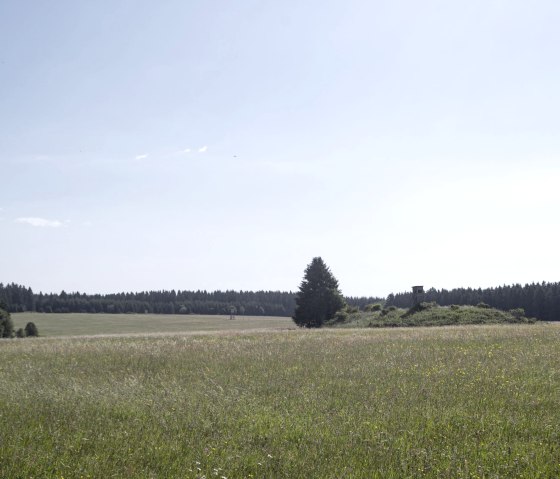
(73,324)
(450,402)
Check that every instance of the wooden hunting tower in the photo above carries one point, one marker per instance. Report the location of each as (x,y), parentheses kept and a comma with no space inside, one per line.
(417,295)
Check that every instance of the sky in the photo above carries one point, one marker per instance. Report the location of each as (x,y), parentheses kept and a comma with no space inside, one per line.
(222,145)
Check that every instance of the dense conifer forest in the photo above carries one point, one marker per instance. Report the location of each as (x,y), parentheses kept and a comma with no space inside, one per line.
(539,300)
(19,298)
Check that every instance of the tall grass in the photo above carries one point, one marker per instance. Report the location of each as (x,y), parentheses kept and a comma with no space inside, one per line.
(440,402)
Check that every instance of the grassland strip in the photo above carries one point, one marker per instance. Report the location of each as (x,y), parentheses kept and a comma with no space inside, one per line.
(420,402)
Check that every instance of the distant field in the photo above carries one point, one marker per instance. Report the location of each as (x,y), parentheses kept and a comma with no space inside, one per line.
(77,324)
(449,402)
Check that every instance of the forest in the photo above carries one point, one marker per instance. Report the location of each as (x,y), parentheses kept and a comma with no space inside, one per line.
(539,300)
(19,299)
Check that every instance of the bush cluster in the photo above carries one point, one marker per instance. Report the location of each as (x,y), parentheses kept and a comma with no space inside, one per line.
(7,327)
(429,314)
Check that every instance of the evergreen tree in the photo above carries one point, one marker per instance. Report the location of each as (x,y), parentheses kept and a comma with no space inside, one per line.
(318,298)
(6,325)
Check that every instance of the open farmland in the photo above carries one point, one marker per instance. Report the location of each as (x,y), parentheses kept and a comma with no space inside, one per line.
(435,402)
(77,324)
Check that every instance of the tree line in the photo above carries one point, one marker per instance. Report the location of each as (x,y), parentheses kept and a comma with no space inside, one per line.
(18,298)
(539,300)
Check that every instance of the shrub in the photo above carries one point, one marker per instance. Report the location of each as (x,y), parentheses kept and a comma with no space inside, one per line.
(372,307)
(20,333)
(341,316)
(517,313)
(31,330)
(454,307)
(387,310)
(420,307)
(483,305)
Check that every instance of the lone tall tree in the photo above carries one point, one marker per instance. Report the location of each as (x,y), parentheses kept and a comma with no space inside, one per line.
(318,298)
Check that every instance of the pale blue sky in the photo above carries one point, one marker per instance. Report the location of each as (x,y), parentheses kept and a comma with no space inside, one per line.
(222,145)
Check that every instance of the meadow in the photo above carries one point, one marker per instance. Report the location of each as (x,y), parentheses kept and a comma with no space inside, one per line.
(449,402)
(77,324)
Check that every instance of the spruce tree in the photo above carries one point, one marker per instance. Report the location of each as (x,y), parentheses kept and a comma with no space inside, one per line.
(318,298)
(6,324)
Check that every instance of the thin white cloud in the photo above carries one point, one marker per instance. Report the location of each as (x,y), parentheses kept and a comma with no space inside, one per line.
(182,152)
(203,149)
(40,222)
(143,156)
